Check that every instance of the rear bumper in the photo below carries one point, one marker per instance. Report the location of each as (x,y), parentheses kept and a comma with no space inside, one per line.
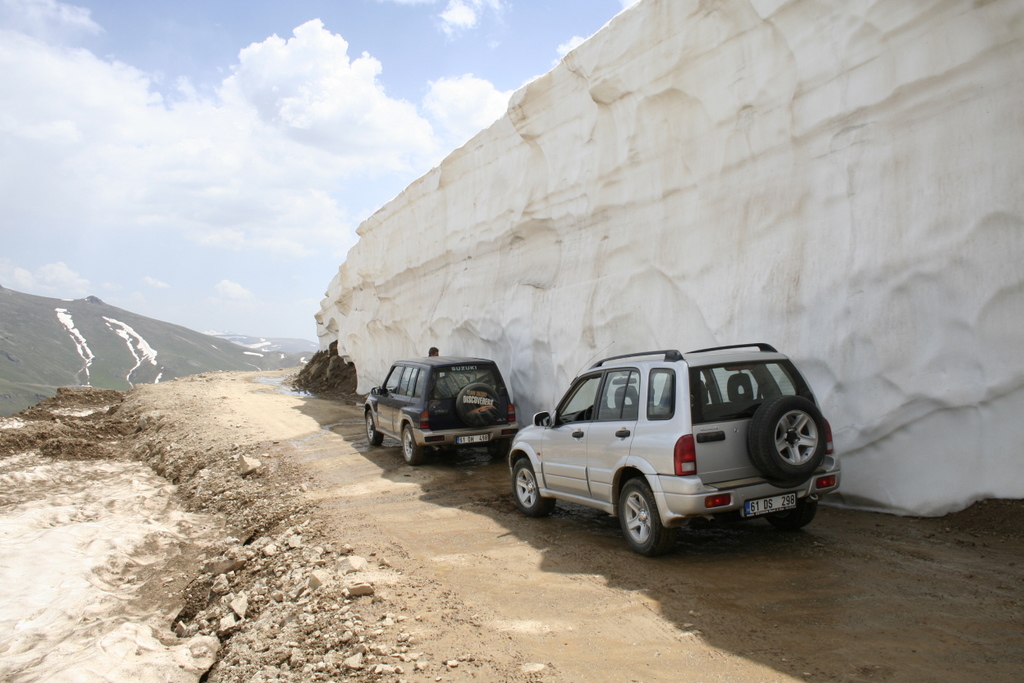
(683,498)
(447,437)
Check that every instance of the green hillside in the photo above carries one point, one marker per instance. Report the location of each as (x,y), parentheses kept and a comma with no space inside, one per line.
(49,343)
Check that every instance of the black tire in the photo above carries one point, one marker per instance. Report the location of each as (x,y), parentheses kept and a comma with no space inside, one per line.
(786,440)
(372,435)
(477,405)
(797,518)
(640,521)
(498,448)
(526,491)
(412,452)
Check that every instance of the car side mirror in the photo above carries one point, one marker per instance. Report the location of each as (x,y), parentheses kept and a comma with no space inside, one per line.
(377,391)
(542,419)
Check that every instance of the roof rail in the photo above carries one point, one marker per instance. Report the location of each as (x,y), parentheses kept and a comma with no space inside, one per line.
(670,355)
(761,345)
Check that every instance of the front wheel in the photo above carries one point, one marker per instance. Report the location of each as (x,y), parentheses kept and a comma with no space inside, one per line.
(640,521)
(797,518)
(526,491)
(372,435)
(411,451)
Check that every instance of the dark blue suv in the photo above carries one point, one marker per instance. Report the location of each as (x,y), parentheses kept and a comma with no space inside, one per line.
(442,401)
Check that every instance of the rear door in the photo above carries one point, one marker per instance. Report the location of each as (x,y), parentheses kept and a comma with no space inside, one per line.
(725,398)
(611,433)
(448,383)
(564,457)
(405,402)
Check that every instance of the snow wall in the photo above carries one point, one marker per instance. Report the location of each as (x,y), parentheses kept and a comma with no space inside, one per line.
(842,179)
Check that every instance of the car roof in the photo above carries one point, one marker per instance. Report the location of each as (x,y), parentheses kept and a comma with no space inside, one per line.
(732,356)
(435,361)
(699,358)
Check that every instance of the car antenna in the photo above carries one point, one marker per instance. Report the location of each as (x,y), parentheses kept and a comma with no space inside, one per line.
(591,361)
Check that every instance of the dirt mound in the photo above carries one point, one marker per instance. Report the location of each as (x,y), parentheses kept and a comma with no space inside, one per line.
(327,374)
(76,424)
(993,517)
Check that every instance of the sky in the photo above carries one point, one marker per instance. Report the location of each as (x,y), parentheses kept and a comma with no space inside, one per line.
(206,162)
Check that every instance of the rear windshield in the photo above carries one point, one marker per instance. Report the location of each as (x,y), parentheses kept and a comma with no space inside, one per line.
(733,391)
(449,381)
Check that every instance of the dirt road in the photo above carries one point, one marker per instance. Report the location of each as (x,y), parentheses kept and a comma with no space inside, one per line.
(480,593)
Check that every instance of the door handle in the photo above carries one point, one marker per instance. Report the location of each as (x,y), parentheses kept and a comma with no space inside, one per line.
(578,434)
(706,437)
(622,433)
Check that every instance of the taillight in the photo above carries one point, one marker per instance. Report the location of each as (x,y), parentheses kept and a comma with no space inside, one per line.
(718,500)
(685,456)
(511,413)
(828,438)
(825,482)
(425,419)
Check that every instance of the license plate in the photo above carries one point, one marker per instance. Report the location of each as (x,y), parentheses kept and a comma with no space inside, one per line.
(476,438)
(762,506)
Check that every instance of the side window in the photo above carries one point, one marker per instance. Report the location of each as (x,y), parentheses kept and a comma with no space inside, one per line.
(408,381)
(391,383)
(620,397)
(421,384)
(661,395)
(578,406)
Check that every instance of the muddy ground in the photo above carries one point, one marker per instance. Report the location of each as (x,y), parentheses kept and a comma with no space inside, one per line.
(342,563)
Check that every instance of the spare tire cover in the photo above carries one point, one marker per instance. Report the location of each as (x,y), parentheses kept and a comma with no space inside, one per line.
(477,405)
(786,439)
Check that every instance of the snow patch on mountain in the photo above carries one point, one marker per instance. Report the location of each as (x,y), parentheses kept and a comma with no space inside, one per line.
(266,344)
(140,349)
(81,346)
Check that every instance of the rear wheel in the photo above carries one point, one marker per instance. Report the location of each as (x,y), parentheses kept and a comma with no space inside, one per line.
(797,518)
(526,491)
(640,521)
(411,451)
(498,448)
(372,435)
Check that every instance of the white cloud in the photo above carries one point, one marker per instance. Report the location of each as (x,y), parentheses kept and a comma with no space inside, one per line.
(154,283)
(309,89)
(464,106)
(261,167)
(52,279)
(47,19)
(232,291)
(572,44)
(461,15)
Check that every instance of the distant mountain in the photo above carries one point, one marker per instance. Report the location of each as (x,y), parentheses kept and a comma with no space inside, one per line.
(49,343)
(267,345)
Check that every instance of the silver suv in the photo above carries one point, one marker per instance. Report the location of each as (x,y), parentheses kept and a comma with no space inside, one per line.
(662,437)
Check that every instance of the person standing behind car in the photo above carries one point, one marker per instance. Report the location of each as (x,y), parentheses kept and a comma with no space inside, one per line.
(433,351)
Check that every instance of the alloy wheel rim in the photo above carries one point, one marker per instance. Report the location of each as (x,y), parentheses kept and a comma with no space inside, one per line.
(526,488)
(638,518)
(796,437)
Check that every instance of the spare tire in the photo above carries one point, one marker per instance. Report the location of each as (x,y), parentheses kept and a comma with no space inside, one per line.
(786,439)
(477,405)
